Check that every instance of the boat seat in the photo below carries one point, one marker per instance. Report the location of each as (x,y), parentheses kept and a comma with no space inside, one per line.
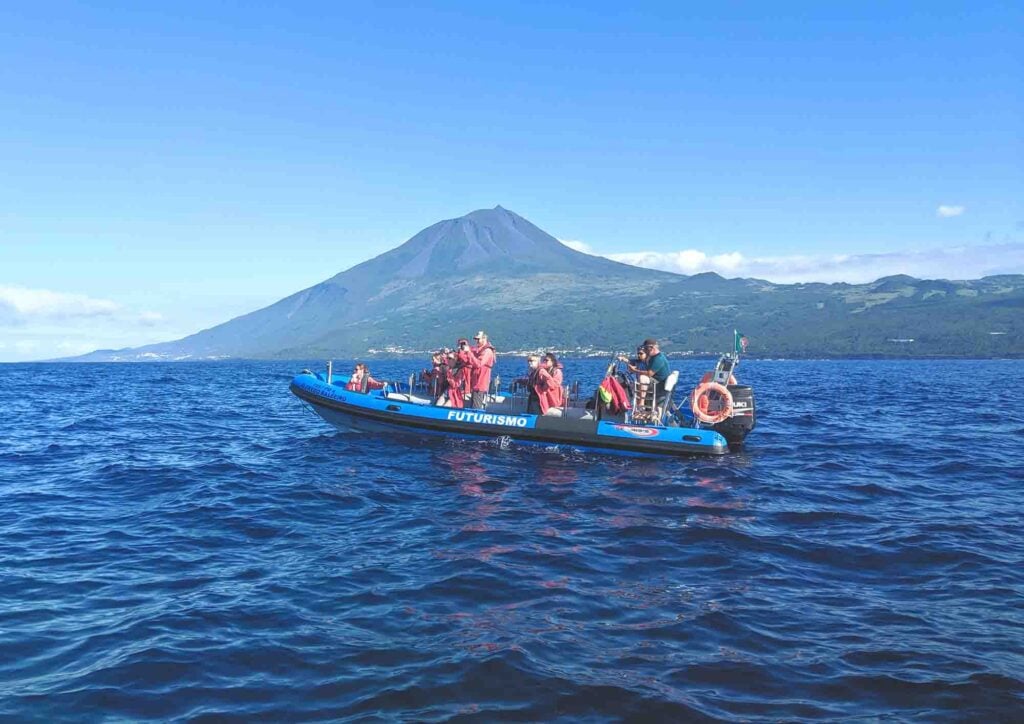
(406,397)
(666,397)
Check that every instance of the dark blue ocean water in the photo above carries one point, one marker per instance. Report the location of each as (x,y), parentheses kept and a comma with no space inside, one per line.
(186,540)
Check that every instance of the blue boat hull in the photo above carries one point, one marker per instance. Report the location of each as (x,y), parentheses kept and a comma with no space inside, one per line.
(376,412)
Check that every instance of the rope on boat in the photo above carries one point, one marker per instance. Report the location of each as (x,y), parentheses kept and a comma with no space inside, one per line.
(308,407)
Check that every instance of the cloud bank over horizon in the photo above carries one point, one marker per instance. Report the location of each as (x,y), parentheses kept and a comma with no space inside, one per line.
(962,262)
(20,305)
(45,324)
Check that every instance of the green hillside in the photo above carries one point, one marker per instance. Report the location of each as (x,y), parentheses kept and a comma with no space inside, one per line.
(494,270)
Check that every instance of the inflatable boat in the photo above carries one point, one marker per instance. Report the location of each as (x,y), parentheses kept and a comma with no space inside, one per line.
(578,425)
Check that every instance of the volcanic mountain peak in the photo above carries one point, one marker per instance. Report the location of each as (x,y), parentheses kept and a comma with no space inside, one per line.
(495,239)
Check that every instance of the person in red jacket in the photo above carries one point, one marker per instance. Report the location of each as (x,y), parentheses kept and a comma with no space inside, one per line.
(482,364)
(540,383)
(460,375)
(436,378)
(557,372)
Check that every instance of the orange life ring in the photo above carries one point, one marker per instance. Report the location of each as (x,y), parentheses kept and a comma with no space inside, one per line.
(707,378)
(701,403)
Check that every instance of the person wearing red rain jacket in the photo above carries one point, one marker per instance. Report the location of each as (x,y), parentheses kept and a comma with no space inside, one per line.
(557,372)
(459,374)
(482,364)
(436,378)
(543,391)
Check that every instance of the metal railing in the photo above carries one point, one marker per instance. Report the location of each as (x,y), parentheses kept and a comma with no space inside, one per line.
(645,402)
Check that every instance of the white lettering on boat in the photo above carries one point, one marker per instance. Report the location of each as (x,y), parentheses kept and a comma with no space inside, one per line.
(486,419)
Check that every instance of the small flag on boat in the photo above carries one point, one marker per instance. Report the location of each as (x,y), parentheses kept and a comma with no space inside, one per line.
(739,342)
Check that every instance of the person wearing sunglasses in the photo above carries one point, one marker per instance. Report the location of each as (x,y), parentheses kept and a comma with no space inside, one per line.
(657,362)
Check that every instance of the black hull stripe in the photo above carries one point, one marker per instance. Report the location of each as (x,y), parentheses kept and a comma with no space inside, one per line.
(484,430)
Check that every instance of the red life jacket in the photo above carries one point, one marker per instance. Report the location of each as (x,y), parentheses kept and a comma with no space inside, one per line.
(363,384)
(620,400)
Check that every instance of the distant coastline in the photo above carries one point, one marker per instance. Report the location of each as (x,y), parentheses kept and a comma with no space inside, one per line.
(519,354)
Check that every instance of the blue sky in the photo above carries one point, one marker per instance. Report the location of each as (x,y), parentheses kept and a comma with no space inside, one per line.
(165,168)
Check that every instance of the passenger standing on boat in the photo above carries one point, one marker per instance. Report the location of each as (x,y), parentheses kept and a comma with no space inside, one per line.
(427,373)
(480,378)
(541,385)
(557,371)
(436,377)
(461,369)
(451,395)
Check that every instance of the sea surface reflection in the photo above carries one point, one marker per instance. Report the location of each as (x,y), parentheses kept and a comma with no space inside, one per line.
(186,541)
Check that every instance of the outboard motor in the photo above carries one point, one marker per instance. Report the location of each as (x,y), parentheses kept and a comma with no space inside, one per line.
(743,418)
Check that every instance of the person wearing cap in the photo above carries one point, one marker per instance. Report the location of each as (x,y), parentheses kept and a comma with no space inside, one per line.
(657,362)
(480,378)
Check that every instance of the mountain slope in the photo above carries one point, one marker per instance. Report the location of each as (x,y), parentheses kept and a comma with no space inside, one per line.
(495,270)
(488,239)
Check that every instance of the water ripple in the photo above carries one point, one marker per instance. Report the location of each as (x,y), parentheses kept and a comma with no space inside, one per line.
(185,541)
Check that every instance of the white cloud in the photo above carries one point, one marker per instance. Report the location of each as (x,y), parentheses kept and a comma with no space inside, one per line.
(967,262)
(578,246)
(42,303)
(34,306)
(947,212)
(688,261)
(44,324)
